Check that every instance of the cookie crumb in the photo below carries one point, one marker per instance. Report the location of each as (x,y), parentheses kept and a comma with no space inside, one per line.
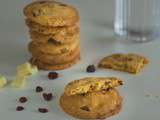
(148,95)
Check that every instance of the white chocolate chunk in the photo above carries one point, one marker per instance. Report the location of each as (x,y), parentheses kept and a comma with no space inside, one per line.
(19,82)
(34,70)
(3,81)
(26,69)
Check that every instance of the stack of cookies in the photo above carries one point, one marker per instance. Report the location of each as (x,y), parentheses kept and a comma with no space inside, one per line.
(55,33)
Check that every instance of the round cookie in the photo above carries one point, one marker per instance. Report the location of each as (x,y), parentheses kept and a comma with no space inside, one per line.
(50,30)
(45,66)
(52,48)
(57,59)
(61,37)
(95,105)
(51,13)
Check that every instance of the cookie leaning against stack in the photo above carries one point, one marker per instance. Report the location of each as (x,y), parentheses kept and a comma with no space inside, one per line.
(55,33)
(92,98)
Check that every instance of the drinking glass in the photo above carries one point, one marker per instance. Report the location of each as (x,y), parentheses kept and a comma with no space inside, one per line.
(137,20)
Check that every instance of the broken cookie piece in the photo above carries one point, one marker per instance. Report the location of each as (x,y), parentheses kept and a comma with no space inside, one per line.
(132,63)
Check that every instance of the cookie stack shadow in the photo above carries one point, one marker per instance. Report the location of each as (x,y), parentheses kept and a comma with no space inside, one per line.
(55,33)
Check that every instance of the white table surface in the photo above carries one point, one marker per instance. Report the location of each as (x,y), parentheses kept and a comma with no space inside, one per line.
(97,41)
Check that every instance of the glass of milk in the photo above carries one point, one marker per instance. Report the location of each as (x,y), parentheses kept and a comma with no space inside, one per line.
(137,20)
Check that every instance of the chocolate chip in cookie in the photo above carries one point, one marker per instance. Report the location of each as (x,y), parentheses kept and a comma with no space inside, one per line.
(53,41)
(85,108)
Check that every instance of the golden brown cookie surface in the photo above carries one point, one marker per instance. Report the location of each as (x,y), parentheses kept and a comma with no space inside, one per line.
(95,105)
(51,13)
(57,59)
(51,30)
(45,66)
(53,48)
(91,84)
(62,37)
(132,63)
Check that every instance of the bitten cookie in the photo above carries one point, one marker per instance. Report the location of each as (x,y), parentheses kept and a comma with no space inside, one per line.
(45,66)
(46,30)
(132,63)
(52,48)
(51,13)
(92,98)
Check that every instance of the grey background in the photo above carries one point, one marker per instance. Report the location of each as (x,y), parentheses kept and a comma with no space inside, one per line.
(97,41)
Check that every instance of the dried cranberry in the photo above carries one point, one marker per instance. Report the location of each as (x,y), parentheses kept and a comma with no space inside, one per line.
(39,89)
(19,108)
(53,75)
(91,68)
(22,99)
(42,110)
(47,96)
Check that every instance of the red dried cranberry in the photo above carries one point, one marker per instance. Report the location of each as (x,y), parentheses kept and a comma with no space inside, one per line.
(91,68)
(42,110)
(22,99)
(53,75)
(47,96)
(19,108)
(39,89)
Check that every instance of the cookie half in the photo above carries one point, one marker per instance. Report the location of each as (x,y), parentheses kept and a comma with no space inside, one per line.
(51,30)
(45,66)
(132,63)
(94,105)
(91,84)
(51,13)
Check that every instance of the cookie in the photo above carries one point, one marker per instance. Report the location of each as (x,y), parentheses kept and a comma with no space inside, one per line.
(91,84)
(45,66)
(51,30)
(132,63)
(62,37)
(52,48)
(57,59)
(94,105)
(51,13)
